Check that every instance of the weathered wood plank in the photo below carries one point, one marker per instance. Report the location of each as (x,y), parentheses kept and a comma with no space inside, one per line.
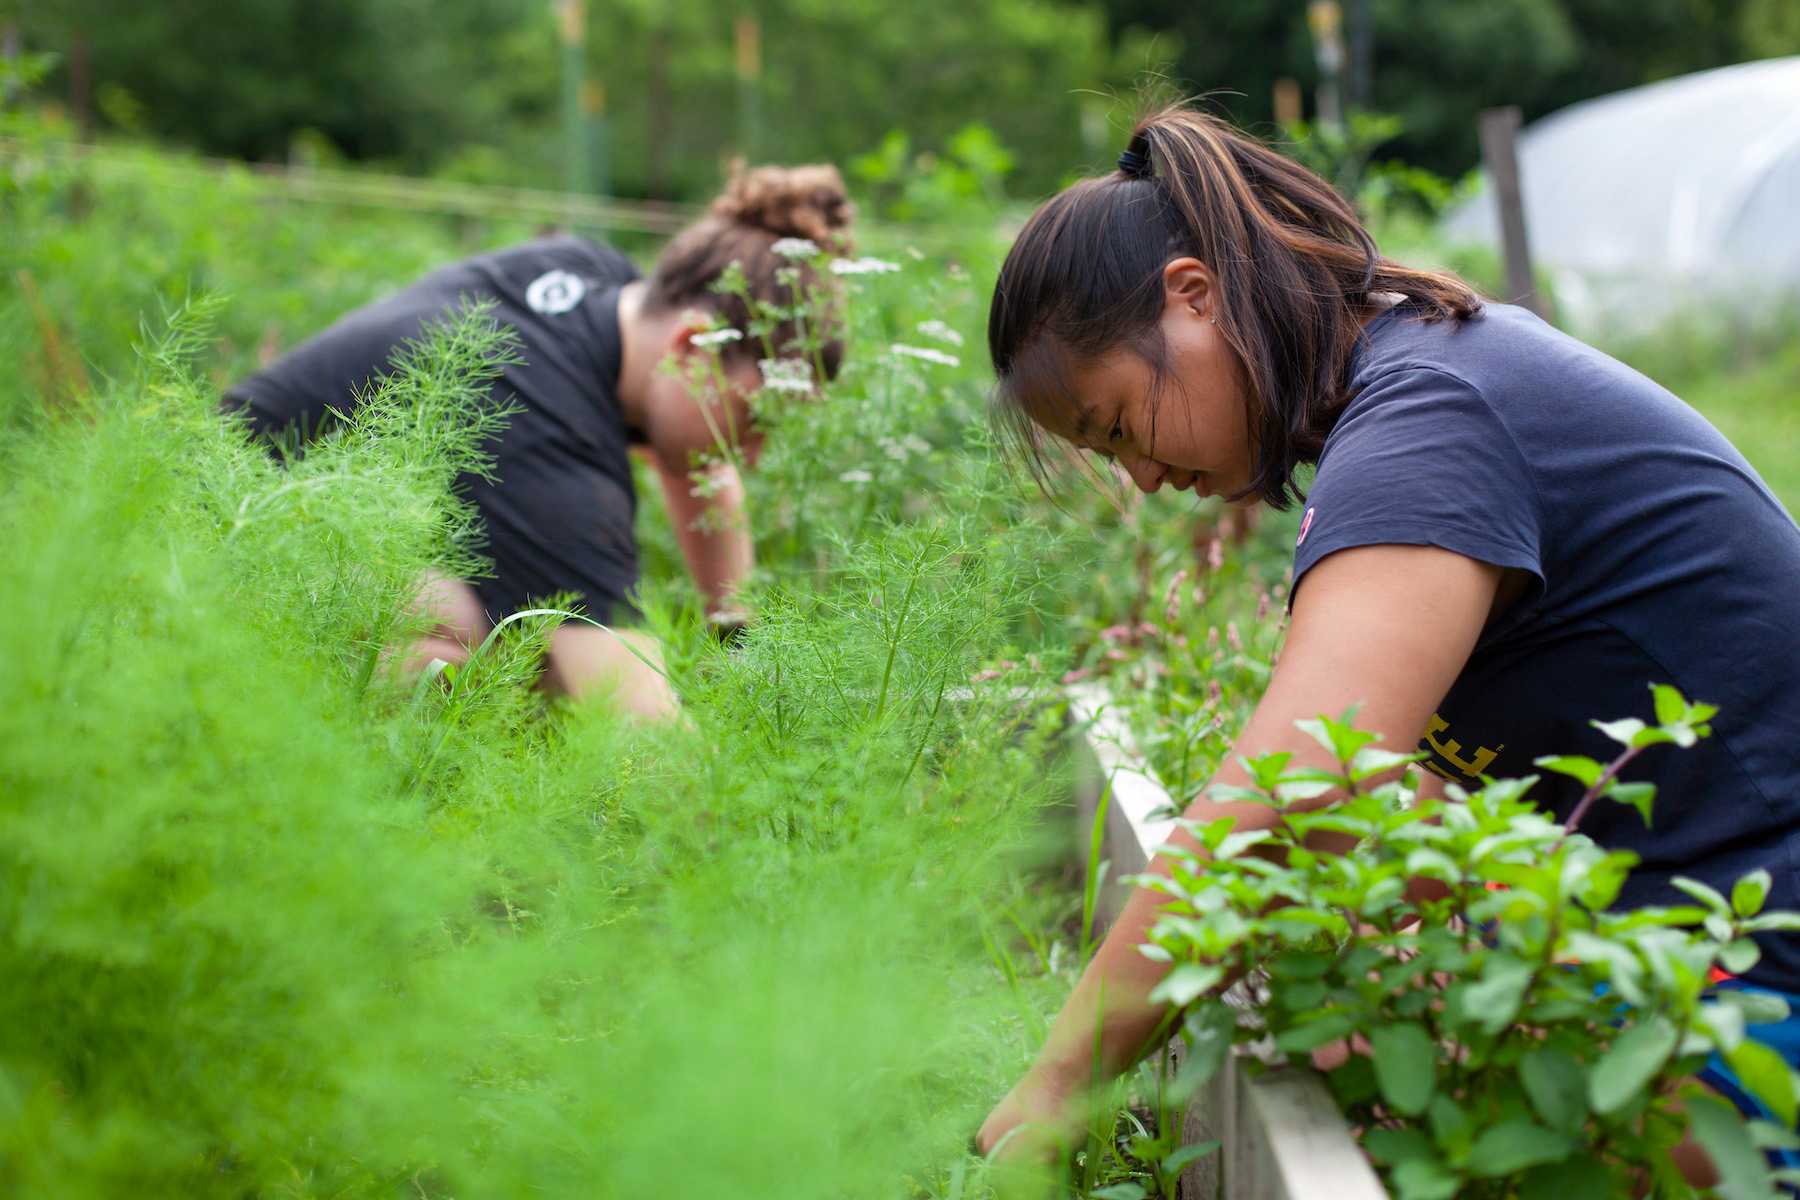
(1291,1143)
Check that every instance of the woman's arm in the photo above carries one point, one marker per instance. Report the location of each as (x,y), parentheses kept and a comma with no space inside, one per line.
(1387,628)
(713,529)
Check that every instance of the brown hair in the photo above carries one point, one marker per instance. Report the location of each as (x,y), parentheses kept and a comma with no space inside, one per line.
(1293,264)
(759,207)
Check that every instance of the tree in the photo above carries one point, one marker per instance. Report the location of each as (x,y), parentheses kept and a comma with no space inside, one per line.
(1437,65)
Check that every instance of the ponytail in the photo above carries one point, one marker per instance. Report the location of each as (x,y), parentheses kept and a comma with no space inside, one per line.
(1293,263)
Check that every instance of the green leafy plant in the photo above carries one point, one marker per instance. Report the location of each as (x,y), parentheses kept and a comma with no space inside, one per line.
(1345,154)
(1509,1031)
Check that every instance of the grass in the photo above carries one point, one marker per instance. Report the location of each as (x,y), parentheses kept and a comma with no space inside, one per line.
(1757,405)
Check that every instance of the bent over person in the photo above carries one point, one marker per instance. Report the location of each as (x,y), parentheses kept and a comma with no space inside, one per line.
(1508,533)
(594,340)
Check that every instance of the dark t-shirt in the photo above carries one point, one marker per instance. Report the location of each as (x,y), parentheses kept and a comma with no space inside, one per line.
(558,515)
(1656,554)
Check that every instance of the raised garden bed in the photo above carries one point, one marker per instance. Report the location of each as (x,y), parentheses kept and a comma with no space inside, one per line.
(1280,1133)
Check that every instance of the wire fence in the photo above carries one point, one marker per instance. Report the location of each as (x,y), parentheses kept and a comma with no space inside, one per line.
(404,193)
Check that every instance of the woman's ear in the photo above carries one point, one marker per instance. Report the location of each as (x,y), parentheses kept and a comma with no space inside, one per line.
(680,345)
(1187,283)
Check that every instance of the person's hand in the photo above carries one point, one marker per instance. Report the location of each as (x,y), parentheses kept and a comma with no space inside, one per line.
(1041,1120)
(728,625)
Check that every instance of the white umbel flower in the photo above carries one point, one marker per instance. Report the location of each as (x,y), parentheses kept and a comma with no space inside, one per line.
(927,354)
(793,247)
(900,449)
(786,374)
(857,475)
(717,337)
(862,266)
(940,332)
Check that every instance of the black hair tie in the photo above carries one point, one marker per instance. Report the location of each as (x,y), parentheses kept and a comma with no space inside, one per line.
(1135,162)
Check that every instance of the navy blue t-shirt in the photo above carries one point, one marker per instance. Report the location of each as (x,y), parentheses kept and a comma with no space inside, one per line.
(1656,555)
(556,514)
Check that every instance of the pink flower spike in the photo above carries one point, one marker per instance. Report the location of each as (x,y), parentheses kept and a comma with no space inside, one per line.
(1172,597)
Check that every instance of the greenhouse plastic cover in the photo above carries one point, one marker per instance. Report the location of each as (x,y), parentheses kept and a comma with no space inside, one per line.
(1684,190)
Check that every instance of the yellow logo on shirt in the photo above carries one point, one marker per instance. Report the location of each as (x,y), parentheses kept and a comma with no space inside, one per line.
(1450,751)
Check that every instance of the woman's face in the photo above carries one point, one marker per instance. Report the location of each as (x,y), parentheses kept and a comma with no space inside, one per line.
(701,413)
(1192,433)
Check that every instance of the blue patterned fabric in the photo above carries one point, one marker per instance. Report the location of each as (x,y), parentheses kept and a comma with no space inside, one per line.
(1783,1037)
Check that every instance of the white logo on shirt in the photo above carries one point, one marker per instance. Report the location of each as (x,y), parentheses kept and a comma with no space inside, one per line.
(555,292)
(1305,528)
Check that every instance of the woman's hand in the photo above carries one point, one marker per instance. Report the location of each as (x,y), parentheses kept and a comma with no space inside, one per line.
(1041,1120)
(712,527)
(1389,627)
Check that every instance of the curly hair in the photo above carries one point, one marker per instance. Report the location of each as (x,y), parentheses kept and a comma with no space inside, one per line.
(759,207)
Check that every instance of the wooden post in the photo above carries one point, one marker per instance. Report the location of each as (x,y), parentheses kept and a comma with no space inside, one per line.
(748,57)
(593,104)
(657,108)
(1362,55)
(1326,20)
(81,85)
(1287,102)
(571,27)
(10,51)
(1499,130)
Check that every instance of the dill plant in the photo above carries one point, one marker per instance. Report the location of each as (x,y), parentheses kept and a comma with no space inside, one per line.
(200,899)
(277,924)
(304,929)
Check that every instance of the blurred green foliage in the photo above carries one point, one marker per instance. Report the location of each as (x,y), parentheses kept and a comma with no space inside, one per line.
(1436,66)
(274,925)
(471,87)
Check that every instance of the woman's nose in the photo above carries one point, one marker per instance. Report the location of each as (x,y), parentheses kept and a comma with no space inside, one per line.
(1146,474)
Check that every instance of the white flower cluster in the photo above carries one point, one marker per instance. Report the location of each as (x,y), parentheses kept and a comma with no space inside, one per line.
(706,483)
(899,449)
(858,475)
(940,332)
(862,266)
(927,354)
(716,337)
(793,247)
(786,374)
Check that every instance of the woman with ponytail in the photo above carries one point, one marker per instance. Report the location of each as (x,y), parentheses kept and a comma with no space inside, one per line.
(1508,533)
(595,341)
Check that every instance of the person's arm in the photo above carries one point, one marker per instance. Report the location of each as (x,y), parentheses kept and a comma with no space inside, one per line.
(1387,628)
(713,529)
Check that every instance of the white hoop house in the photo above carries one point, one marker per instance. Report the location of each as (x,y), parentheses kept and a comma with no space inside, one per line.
(1684,191)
